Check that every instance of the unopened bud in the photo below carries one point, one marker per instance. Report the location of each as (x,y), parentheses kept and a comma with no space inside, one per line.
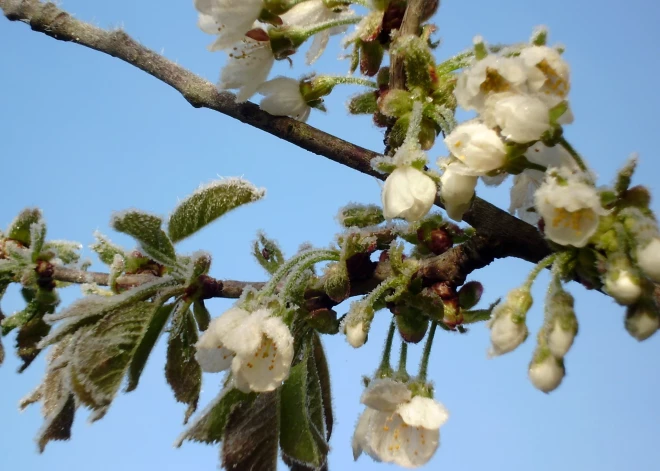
(324,321)
(507,326)
(356,335)
(444,290)
(437,240)
(545,371)
(383,78)
(452,313)
(642,319)
(395,103)
(623,286)
(412,325)
(637,196)
(648,259)
(337,284)
(371,56)
(470,294)
(360,215)
(365,103)
(562,323)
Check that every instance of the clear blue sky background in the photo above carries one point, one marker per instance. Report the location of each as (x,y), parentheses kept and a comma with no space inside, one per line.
(83,134)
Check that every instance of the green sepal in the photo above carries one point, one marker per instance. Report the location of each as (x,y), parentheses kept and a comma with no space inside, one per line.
(268,253)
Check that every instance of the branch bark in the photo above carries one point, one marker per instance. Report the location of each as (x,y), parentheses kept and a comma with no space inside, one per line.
(515,237)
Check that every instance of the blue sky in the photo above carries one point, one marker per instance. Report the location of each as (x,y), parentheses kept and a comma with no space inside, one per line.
(83,135)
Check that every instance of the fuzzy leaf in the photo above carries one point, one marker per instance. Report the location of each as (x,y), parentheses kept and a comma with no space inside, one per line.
(19,229)
(68,252)
(250,438)
(202,315)
(323,372)
(298,436)
(268,253)
(146,345)
(102,354)
(182,371)
(37,239)
(29,335)
(105,249)
(208,203)
(58,403)
(146,229)
(360,215)
(209,427)
(365,103)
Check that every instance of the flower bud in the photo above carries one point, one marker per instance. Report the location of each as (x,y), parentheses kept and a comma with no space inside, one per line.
(364,103)
(324,321)
(411,324)
(337,284)
(437,240)
(356,335)
(623,286)
(470,294)
(507,326)
(545,371)
(395,103)
(371,56)
(648,259)
(457,190)
(642,319)
(563,323)
(408,193)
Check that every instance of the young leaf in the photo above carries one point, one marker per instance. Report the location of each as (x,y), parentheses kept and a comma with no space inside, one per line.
(202,315)
(268,253)
(37,239)
(102,354)
(323,372)
(105,249)
(146,229)
(147,343)
(19,229)
(209,427)
(250,438)
(182,371)
(208,203)
(58,403)
(360,215)
(68,252)
(298,437)
(29,335)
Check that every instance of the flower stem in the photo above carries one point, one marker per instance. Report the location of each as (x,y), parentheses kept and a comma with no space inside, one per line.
(546,262)
(353,81)
(385,369)
(403,359)
(298,272)
(423,367)
(319,27)
(576,157)
(290,264)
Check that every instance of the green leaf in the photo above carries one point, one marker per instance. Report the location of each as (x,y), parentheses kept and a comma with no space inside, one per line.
(202,315)
(208,203)
(58,403)
(37,239)
(299,439)
(68,252)
(323,373)
(29,335)
(146,229)
(105,249)
(209,427)
(102,354)
(250,438)
(147,343)
(268,253)
(182,371)
(360,215)
(19,229)
(364,103)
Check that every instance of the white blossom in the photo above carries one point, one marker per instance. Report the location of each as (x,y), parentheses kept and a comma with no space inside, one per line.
(521,118)
(248,67)
(477,146)
(257,346)
(622,286)
(283,98)
(569,207)
(457,189)
(648,259)
(492,74)
(553,82)
(396,427)
(546,372)
(311,12)
(228,19)
(560,338)
(408,193)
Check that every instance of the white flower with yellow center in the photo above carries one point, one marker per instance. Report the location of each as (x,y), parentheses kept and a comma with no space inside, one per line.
(553,82)
(408,193)
(283,98)
(477,146)
(492,74)
(570,208)
(248,67)
(257,346)
(312,12)
(228,19)
(396,427)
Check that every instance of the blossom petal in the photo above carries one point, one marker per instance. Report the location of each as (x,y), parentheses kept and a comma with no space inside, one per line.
(385,394)
(423,412)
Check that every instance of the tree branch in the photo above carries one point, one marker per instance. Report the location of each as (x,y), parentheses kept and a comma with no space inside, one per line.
(516,237)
